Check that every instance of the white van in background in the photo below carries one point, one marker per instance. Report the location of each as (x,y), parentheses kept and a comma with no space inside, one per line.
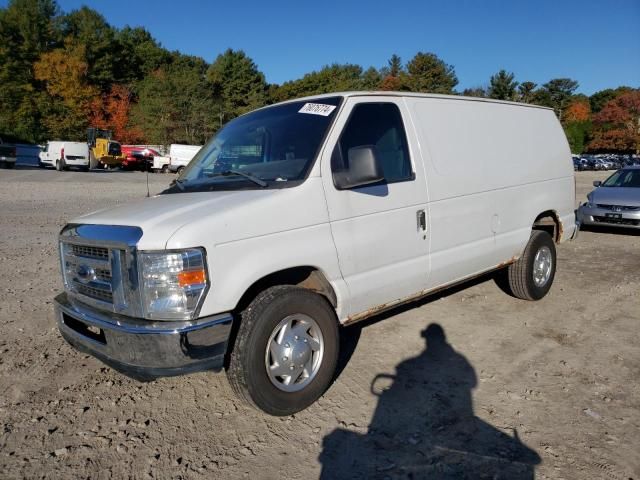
(63,155)
(181,155)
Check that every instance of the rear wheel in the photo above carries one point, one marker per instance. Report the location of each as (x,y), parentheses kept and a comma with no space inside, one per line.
(286,350)
(180,170)
(11,164)
(531,276)
(60,165)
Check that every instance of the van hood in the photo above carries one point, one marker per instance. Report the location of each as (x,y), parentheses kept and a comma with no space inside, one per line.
(216,217)
(627,196)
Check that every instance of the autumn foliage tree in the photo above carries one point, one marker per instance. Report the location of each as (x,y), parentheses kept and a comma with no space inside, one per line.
(577,123)
(617,126)
(111,112)
(67,97)
(578,111)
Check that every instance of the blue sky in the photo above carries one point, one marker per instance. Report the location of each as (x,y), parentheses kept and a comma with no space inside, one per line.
(594,42)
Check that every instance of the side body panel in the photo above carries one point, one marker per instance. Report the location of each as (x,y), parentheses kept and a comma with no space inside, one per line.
(491,169)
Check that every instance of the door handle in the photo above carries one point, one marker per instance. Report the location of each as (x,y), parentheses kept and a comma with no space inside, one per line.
(421,217)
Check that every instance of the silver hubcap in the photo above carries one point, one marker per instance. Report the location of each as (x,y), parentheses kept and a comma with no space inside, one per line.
(294,352)
(542,267)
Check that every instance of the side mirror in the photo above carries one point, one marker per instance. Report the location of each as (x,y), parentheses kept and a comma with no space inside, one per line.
(597,183)
(364,169)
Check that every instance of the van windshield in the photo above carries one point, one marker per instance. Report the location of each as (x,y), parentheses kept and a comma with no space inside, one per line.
(267,148)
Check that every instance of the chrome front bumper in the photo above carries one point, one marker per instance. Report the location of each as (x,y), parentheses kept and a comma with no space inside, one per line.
(144,349)
(603,217)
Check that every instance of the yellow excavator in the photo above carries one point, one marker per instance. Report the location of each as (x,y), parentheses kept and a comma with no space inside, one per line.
(104,152)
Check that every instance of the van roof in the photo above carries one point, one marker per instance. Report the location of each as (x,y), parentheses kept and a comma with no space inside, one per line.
(378,93)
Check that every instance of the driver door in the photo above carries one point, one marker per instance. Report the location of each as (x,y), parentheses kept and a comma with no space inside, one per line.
(379,230)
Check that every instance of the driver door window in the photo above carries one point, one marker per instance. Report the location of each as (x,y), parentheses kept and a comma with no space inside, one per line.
(378,124)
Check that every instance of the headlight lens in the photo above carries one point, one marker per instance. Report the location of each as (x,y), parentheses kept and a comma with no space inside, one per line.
(173,283)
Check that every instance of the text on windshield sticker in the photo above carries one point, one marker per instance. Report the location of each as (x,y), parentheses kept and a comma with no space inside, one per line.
(317,109)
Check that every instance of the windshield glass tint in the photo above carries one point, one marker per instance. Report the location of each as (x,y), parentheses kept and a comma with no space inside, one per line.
(623,178)
(275,144)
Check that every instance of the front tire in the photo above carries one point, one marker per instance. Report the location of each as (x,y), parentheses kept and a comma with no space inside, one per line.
(286,350)
(531,276)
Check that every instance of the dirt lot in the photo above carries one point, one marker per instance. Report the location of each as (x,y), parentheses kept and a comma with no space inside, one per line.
(502,389)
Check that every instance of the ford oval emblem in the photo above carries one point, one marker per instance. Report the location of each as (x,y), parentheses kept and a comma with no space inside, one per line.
(85,273)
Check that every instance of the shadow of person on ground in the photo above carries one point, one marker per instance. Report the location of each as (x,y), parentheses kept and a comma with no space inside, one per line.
(424,427)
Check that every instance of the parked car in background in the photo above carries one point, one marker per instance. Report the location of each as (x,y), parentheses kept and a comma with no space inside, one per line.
(614,202)
(7,155)
(580,164)
(138,158)
(63,155)
(181,155)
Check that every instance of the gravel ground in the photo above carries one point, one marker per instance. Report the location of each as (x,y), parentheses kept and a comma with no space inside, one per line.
(470,384)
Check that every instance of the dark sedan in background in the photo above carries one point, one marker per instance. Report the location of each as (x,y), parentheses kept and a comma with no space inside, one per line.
(614,202)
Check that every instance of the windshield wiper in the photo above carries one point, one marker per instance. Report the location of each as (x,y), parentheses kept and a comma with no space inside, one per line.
(248,176)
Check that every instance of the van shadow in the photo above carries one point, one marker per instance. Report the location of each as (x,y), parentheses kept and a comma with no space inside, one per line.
(424,426)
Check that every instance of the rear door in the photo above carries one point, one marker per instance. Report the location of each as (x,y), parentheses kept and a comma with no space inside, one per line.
(378,229)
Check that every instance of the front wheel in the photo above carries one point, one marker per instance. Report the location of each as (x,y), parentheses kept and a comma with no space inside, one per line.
(286,350)
(531,276)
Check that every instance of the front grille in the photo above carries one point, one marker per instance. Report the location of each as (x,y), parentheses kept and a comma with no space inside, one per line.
(617,221)
(99,266)
(87,271)
(97,293)
(103,274)
(90,252)
(617,208)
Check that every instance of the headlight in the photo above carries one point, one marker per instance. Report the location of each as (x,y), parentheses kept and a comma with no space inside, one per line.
(173,284)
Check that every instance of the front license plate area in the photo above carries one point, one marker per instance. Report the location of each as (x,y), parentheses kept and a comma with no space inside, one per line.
(616,216)
(94,333)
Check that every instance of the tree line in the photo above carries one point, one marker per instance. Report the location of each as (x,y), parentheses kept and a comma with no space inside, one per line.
(63,72)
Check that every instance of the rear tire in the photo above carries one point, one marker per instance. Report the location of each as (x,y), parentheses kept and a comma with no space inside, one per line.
(11,164)
(180,170)
(258,377)
(59,165)
(531,276)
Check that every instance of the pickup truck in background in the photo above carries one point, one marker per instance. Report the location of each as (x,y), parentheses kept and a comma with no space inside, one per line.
(7,155)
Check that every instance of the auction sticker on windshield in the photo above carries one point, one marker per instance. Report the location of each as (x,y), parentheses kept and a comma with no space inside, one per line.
(317,109)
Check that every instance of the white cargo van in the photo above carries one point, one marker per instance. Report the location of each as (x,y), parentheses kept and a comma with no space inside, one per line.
(63,155)
(181,155)
(307,215)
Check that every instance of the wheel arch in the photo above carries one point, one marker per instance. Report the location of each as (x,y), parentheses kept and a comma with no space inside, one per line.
(550,222)
(308,277)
